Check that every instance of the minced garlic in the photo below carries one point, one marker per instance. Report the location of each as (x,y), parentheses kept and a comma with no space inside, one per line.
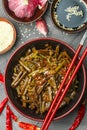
(6,35)
(73,11)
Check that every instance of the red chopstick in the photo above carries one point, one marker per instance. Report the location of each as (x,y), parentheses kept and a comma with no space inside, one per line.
(66,89)
(53,110)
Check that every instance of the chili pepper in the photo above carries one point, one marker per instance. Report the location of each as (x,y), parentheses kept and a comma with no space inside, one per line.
(1,78)
(27,126)
(78,119)
(13,116)
(8,119)
(2,104)
(37,128)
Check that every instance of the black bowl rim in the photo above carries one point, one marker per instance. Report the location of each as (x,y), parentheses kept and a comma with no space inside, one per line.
(83,68)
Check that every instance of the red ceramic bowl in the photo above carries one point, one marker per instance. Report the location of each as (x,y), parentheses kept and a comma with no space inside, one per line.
(12,95)
(38,13)
(8,46)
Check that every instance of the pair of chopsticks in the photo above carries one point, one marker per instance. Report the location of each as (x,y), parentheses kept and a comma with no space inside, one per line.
(52,110)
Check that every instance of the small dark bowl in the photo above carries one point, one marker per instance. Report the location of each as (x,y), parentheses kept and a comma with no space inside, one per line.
(75,23)
(38,13)
(12,95)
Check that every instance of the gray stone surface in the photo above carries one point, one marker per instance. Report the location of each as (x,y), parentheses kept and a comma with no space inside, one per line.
(26,32)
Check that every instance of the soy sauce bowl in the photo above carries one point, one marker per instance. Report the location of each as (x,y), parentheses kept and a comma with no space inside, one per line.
(69,15)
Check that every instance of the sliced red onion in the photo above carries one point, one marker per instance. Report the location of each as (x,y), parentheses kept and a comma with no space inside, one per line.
(32,5)
(19,7)
(20,11)
(42,3)
(25,8)
(13,4)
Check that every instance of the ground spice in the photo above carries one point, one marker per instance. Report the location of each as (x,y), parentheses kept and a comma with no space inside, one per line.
(2,104)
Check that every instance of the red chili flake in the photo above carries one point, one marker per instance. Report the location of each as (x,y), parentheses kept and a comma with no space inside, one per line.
(8,119)
(27,126)
(78,119)
(13,116)
(2,104)
(1,78)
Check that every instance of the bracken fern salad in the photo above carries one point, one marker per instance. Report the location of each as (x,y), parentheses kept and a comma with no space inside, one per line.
(37,77)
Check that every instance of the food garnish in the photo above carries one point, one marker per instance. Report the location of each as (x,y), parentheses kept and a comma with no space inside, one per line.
(38,75)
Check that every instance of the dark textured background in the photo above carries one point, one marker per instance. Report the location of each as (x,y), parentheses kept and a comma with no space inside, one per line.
(24,33)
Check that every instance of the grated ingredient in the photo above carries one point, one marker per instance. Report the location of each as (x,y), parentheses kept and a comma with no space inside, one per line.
(6,35)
